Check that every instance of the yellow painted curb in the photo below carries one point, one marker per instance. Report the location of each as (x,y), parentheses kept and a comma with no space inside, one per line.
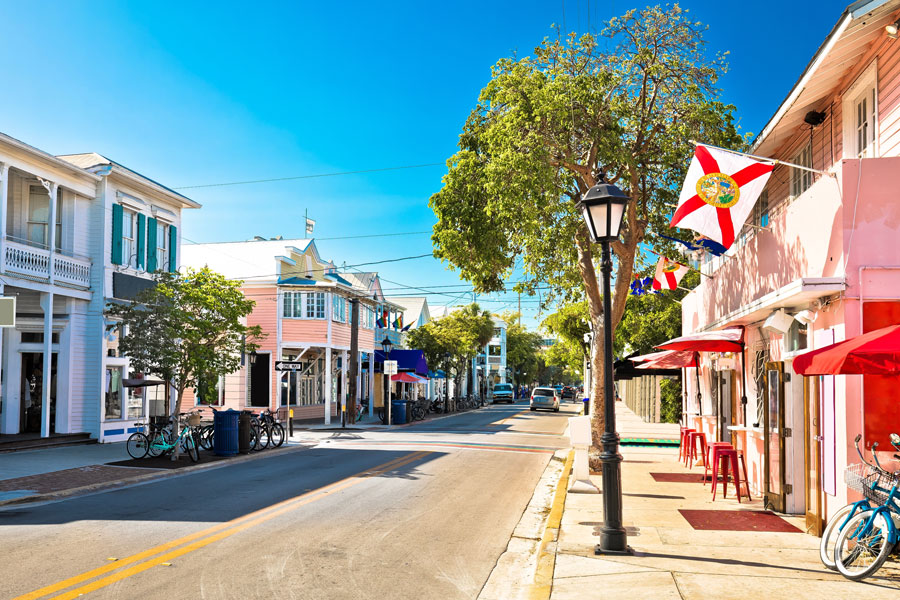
(546,562)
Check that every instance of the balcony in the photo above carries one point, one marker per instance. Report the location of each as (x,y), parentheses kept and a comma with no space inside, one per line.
(36,263)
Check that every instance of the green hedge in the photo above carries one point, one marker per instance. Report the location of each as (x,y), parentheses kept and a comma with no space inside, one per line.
(670,400)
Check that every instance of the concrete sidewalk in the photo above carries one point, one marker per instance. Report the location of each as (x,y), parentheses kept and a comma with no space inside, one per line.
(672,559)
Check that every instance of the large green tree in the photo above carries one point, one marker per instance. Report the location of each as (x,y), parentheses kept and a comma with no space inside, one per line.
(522,349)
(185,329)
(547,127)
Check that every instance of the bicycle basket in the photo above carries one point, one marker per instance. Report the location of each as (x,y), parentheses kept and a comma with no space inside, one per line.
(871,483)
(194,420)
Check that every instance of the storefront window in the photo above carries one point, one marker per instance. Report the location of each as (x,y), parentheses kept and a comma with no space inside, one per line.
(114,395)
(135,399)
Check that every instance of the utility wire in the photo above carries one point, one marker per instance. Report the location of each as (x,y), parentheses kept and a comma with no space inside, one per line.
(296,177)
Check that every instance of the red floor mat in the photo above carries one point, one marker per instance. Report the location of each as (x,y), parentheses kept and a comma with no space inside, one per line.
(737,520)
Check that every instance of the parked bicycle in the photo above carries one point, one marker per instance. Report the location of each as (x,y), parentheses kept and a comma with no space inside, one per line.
(270,429)
(868,537)
(165,440)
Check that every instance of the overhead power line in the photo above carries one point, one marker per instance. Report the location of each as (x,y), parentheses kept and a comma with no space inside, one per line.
(296,177)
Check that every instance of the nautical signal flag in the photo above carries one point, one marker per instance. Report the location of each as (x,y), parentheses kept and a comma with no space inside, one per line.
(719,193)
(668,274)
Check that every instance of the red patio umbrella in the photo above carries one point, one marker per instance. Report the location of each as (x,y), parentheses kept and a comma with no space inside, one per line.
(405,378)
(726,340)
(873,353)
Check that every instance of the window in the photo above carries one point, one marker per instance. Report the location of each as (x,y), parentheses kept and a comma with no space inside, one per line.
(761,210)
(860,108)
(304,305)
(129,238)
(368,317)
(39,216)
(801,180)
(37,337)
(114,389)
(162,246)
(135,399)
(315,305)
(210,395)
(494,350)
(339,309)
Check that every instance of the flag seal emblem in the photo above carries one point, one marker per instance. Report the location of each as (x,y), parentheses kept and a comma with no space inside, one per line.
(719,190)
(670,267)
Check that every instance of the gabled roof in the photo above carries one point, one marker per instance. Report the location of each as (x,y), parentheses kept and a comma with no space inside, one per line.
(89,161)
(253,261)
(47,157)
(413,307)
(861,24)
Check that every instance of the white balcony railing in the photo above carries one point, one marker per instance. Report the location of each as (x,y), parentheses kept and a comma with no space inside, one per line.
(36,262)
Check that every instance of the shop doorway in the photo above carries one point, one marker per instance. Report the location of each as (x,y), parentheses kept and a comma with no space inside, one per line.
(31,392)
(258,381)
(726,412)
(773,424)
(812,455)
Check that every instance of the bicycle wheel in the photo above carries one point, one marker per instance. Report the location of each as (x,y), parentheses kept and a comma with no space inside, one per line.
(254,436)
(159,443)
(206,437)
(276,435)
(137,445)
(265,436)
(189,447)
(830,534)
(862,547)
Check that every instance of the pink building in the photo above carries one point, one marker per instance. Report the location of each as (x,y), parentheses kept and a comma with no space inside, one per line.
(818,262)
(304,308)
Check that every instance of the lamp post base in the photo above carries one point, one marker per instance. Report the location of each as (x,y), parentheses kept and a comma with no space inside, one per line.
(599,551)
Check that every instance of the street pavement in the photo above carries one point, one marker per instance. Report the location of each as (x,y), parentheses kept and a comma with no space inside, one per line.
(671,558)
(422,511)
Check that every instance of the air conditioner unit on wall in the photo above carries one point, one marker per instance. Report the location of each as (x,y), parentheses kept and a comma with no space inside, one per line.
(779,321)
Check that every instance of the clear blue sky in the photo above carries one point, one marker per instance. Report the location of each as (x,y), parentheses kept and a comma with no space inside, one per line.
(194,93)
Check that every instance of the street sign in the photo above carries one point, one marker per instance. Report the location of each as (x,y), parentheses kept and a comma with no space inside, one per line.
(287,365)
(390,367)
(8,311)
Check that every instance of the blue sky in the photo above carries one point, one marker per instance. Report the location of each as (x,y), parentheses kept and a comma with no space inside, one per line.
(194,93)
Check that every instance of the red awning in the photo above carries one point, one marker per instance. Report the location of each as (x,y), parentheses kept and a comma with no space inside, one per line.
(672,359)
(648,357)
(405,378)
(873,353)
(726,340)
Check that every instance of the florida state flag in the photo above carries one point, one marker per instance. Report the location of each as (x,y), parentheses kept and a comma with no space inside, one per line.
(668,274)
(719,193)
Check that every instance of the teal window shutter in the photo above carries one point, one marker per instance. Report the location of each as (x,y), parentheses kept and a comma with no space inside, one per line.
(118,220)
(141,240)
(151,245)
(173,248)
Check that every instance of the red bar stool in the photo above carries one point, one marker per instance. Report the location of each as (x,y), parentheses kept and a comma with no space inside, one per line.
(682,445)
(734,457)
(691,451)
(712,459)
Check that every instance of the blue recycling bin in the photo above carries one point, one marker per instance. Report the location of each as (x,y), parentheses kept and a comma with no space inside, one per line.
(225,437)
(398,412)
(587,406)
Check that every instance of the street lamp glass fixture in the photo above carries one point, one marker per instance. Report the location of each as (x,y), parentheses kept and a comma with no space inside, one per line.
(386,345)
(602,208)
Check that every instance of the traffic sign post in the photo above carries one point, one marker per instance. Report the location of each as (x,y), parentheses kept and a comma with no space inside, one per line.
(287,365)
(390,368)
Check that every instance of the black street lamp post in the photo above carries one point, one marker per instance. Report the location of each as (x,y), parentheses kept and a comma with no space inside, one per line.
(387,346)
(603,207)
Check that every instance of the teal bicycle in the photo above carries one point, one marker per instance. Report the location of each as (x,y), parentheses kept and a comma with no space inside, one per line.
(867,539)
(164,442)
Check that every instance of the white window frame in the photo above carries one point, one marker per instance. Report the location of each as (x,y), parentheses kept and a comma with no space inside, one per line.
(801,179)
(865,86)
(314,305)
(338,308)
(129,244)
(303,305)
(42,192)
(162,246)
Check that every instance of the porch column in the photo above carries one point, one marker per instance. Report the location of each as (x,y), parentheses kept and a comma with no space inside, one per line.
(371,383)
(342,401)
(4,200)
(328,387)
(47,307)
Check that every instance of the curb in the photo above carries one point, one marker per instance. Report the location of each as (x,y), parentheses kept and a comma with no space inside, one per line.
(94,487)
(520,567)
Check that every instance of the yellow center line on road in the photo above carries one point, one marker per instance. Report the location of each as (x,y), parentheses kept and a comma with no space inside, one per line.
(229,527)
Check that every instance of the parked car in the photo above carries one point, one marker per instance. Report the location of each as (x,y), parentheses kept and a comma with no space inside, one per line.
(569,392)
(503,392)
(545,397)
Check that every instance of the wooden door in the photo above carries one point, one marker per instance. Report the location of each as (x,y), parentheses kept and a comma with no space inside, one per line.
(812,456)
(773,417)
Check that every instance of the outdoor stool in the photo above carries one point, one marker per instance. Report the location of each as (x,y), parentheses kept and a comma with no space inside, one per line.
(693,438)
(682,445)
(740,454)
(712,459)
(726,456)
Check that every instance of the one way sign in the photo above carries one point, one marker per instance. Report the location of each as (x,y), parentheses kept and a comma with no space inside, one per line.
(286,365)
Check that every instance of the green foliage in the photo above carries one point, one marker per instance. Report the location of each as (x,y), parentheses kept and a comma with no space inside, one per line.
(570,324)
(522,349)
(652,319)
(569,358)
(186,328)
(670,400)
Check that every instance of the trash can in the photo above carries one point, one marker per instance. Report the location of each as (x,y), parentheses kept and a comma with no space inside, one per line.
(225,432)
(587,406)
(410,404)
(398,412)
(244,433)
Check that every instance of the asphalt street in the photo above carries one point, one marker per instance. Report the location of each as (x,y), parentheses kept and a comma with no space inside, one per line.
(415,512)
